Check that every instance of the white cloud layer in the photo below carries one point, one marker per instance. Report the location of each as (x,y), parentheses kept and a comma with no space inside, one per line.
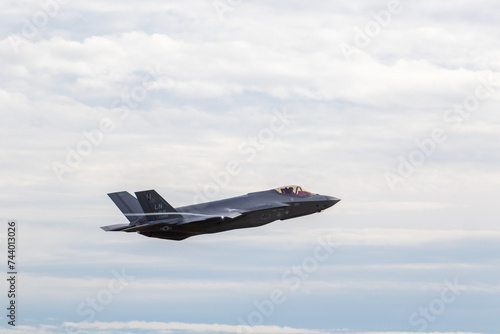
(178,327)
(183,88)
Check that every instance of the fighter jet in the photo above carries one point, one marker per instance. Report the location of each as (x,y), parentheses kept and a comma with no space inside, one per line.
(150,215)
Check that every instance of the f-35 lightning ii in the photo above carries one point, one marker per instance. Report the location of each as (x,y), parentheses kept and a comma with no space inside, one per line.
(150,215)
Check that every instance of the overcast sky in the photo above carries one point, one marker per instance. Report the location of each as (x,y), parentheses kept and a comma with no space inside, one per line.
(390,106)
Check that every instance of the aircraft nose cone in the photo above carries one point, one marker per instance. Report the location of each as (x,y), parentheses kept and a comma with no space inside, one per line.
(331,201)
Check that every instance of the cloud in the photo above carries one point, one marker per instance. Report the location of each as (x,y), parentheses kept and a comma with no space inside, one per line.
(179,327)
(186,327)
(99,65)
(184,90)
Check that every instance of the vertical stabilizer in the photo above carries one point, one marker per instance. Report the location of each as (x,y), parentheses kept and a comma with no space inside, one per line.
(128,205)
(152,202)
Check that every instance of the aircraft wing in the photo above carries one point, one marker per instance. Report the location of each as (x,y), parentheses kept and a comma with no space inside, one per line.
(197,217)
(171,220)
(224,214)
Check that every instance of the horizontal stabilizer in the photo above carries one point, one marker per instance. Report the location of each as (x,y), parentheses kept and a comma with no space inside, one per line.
(148,227)
(116,227)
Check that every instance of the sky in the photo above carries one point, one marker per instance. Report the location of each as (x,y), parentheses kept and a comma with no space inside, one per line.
(391,106)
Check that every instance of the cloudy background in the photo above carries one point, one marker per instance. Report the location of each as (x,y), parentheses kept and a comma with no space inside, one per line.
(392,107)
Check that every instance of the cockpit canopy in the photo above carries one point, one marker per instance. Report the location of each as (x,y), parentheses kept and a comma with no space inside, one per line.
(294,190)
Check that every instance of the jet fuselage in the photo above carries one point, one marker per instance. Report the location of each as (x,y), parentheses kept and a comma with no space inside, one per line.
(159,220)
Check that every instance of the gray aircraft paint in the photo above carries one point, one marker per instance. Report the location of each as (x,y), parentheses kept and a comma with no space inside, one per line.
(150,215)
